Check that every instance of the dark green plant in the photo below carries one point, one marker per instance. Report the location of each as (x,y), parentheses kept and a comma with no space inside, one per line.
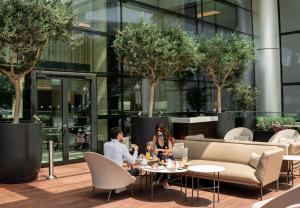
(155,52)
(7,92)
(196,96)
(225,60)
(265,123)
(26,28)
(245,96)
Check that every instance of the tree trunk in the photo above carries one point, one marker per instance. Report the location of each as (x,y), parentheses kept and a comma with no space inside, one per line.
(219,100)
(151,98)
(17,84)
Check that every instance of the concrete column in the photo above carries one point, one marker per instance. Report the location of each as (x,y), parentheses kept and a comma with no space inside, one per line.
(267,67)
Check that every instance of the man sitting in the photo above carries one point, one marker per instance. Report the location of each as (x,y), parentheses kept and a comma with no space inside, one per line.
(117,152)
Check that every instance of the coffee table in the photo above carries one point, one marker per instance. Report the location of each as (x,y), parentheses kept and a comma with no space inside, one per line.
(213,169)
(151,171)
(290,159)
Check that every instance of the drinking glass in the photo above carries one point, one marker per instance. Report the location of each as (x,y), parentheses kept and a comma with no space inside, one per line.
(148,156)
(184,160)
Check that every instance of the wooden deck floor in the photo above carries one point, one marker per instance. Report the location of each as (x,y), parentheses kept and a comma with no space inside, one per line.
(73,189)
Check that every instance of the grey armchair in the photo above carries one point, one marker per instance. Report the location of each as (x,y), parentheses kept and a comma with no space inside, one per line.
(106,174)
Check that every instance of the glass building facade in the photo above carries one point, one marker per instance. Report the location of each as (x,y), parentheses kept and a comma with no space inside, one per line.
(290,54)
(81,93)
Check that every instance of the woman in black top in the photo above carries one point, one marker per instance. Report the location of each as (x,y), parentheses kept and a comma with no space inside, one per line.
(162,143)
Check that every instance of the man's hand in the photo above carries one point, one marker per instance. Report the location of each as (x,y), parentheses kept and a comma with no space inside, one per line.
(135,147)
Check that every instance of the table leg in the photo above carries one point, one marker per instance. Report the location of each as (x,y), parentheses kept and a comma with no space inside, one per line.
(218,187)
(197,188)
(151,184)
(292,163)
(185,187)
(288,174)
(146,181)
(214,190)
(192,187)
(181,183)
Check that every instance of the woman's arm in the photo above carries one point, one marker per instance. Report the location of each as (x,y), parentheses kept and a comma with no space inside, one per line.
(153,143)
(170,146)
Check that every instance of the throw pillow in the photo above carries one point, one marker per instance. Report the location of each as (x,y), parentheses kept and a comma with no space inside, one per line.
(179,151)
(241,138)
(283,140)
(196,137)
(254,160)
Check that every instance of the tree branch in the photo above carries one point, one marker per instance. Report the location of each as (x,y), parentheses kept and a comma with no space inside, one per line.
(36,59)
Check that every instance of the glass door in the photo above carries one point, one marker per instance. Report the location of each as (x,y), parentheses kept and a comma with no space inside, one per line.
(65,106)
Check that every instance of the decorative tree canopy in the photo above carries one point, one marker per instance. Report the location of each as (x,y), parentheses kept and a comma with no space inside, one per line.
(225,59)
(245,96)
(155,52)
(26,28)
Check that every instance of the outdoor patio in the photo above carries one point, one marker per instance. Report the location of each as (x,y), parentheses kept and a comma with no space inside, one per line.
(73,189)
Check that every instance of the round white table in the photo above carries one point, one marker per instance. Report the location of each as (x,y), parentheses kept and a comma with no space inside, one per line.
(290,159)
(151,170)
(213,169)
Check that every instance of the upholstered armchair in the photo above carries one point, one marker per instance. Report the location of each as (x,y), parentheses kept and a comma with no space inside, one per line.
(106,174)
(239,134)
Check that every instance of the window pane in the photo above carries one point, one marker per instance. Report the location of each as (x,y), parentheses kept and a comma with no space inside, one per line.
(132,12)
(90,56)
(289,15)
(102,95)
(92,14)
(291,97)
(290,58)
(244,21)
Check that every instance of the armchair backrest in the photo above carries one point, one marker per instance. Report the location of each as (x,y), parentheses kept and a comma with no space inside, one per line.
(105,173)
(239,131)
(286,133)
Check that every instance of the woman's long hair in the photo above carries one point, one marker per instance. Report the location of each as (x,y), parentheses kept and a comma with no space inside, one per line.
(166,135)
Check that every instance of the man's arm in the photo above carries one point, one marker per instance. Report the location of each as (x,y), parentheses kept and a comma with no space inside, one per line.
(128,157)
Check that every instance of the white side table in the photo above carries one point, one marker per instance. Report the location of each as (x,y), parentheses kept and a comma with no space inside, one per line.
(213,169)
(290,159)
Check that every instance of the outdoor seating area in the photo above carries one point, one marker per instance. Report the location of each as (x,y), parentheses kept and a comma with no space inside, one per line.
(73,188)
(151,104)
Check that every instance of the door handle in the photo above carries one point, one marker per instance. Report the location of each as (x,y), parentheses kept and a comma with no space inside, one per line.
(64,128)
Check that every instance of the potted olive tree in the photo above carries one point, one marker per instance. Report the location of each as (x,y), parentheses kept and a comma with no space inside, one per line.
(245,99)
(225,62)
(26,28)
(153,52)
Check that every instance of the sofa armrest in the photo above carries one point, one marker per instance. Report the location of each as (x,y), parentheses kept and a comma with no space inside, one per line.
(294,148)
(268,168)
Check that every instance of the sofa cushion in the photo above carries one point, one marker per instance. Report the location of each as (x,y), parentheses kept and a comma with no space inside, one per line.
(254,160)
(179,151)
(284,140)
(196,137)
(233,171)
(224,151)
(241,138)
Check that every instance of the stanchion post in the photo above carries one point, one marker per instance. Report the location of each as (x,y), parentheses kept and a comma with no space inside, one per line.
(51,166)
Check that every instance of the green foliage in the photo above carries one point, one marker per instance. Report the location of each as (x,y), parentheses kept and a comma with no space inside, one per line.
(245,96)
(225,59)
(26,28)
(7,92)
(265,123)
(153,52)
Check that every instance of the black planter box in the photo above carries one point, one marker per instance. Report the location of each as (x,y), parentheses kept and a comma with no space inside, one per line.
(20,152)
(248,122)
(143,129)
(263,136)
(226,122)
